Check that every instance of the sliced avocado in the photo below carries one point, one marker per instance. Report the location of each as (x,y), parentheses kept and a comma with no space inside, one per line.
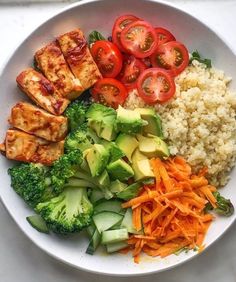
(129,121)
(127,143)
(102,120)
(120,170)
(130,192)
(115,152)
(153,146)
(103,179)
(117,186)
(97,158)
(108,132)
(141,166)
(154,121)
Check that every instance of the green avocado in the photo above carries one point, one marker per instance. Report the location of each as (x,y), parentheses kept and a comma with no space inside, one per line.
(141,166)
(115,152)
(154,121)
(130,192)
(97,158)
(103,179)
(120,170)
(127,143)
(129,121)
(117,186)
(102,120)
(153,146)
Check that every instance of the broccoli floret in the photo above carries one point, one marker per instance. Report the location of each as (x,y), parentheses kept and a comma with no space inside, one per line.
(224,206)
(81,138)
(31,182)
(76,114)
(64,168)
(69,212)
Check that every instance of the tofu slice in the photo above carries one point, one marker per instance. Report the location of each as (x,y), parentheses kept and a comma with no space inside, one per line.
(38,122)
(77,54)
(51,62)
(41,91)
(24,147)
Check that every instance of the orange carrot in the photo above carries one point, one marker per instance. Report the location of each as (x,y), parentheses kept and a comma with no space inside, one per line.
(171,212)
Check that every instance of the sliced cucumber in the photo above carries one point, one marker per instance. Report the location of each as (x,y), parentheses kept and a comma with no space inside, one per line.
(37,223)
(96,195)
(127,222)
(91,229)
(105,220)
(94,242)
(75,182)
(114,236)
(114,247)
(108,205)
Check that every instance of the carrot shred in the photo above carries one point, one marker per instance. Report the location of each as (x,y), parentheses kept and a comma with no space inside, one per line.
(172,211)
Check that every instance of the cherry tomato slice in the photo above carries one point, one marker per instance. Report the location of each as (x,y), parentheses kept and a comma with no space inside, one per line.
(164,35)
(110,92)
(171,56)
(139,39)
(119,25)
(155,85)
(107,57)
(131,70)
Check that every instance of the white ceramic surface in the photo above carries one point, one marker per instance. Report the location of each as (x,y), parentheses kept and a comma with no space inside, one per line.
(100,15)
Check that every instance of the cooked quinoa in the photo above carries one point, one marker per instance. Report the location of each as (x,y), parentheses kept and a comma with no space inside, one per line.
(199,122)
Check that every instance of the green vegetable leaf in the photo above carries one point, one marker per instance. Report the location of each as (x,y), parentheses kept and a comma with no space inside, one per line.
(224,206)
(196,56)
(95,36)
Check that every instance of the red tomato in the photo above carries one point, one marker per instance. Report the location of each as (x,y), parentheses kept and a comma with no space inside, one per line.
(164,35)
(107,57)
(119,25)
(155,85)
(109,91)
(171,56)
(132,68)
(139,39)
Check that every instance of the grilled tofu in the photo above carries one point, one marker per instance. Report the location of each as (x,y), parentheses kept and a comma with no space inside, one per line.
(36,121)
(24,147)
(41,91)
(77,54)
(51,62)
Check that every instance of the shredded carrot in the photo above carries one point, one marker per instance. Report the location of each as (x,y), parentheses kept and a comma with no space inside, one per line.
(171,212)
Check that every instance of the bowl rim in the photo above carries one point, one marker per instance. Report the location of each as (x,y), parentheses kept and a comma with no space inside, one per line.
(55,256)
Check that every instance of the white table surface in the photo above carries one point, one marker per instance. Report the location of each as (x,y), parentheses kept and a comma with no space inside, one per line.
(20,259)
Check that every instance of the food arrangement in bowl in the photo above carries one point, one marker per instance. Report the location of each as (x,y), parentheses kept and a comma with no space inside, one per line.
(128,137)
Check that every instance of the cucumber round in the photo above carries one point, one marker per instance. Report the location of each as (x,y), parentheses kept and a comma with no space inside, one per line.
(114,236)
(106,219)
(107,205)
(37,223)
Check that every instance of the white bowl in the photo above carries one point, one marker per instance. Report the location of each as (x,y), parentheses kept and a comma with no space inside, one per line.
(100,15)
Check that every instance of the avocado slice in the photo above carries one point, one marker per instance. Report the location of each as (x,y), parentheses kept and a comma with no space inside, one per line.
(102,120)
(103,179)
(115,152)
(154,121)
(130,192)
(129,121)
(141,166)
(117,186)
(127,143)
(153,146)
(97,158)
(120,170)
